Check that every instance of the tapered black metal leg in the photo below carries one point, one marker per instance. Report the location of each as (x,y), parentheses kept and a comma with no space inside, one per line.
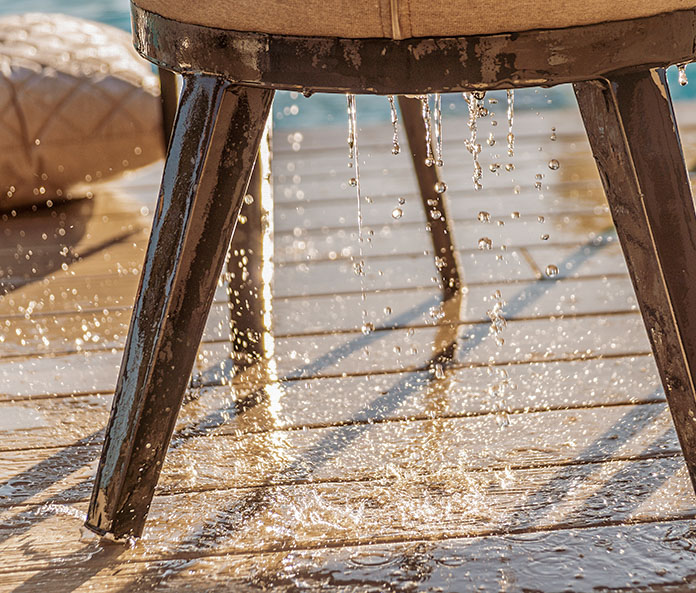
(434,203)
(216,137)
(633,133)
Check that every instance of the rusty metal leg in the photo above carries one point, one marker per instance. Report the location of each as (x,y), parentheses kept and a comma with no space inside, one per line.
(435,204)
(217,134)
(168,99)
(633,133)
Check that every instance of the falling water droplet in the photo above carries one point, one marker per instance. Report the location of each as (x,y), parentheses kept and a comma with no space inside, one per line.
(354,156)
(440,187)
(509,167)
(484,216)
(541,218)
(683,80)
(397,213)
(553,135)
(554,164)
(551,270)
(510,118)
(427,122)
(484,243)
(439,372)
(493,167)
(396,147)
(474,103)
(438,129)
(491,139)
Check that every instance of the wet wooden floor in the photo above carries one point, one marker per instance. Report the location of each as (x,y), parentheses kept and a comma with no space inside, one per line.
(546,463)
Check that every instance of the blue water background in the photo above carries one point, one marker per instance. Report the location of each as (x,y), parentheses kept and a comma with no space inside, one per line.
(293,111)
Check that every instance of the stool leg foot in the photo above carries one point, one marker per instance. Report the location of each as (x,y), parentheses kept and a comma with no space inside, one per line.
(633,133)
(434,204)
(215,140)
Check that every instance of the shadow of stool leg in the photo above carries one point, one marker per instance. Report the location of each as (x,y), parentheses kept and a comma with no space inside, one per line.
(633,133)
(246,282)
(215,141)
(435,204)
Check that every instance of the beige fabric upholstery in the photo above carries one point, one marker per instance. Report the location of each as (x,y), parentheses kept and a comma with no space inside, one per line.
(403,18)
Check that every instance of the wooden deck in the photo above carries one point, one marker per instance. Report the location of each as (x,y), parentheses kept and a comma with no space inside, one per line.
(362,468)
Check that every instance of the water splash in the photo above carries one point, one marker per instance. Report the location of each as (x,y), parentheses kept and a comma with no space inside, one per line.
(396,147)
(499,389)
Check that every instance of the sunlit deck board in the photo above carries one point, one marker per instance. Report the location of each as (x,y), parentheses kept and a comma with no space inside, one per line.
(385,476)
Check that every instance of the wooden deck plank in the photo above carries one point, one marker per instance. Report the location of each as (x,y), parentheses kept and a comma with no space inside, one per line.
(320,515)
(651,556)
(331,355)
(293,316)
(242,409)
(351,453)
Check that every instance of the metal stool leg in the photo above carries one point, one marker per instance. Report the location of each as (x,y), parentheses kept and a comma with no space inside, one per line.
(435,204)
(633,133)
(216,137)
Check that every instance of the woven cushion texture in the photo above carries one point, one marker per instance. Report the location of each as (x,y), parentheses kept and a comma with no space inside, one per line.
(401,19)
(76,104)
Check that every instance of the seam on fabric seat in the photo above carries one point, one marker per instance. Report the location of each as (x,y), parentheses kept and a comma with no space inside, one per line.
(394,14)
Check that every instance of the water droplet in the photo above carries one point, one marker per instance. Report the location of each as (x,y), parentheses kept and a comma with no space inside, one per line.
(353,182)
(510,119)
(248,199)
(683,80)
(515,214)
(493,167)
(367,328)
(541,219)
(402,201)
(553,135)
(509,167)
(438,129)
(551,271)
(427,122)
(396,148)
(554,164)
(387,310)
(440,187)
(484,216)
(491,139)
(439,372)
(397,213)
(484,243)
(544,237)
